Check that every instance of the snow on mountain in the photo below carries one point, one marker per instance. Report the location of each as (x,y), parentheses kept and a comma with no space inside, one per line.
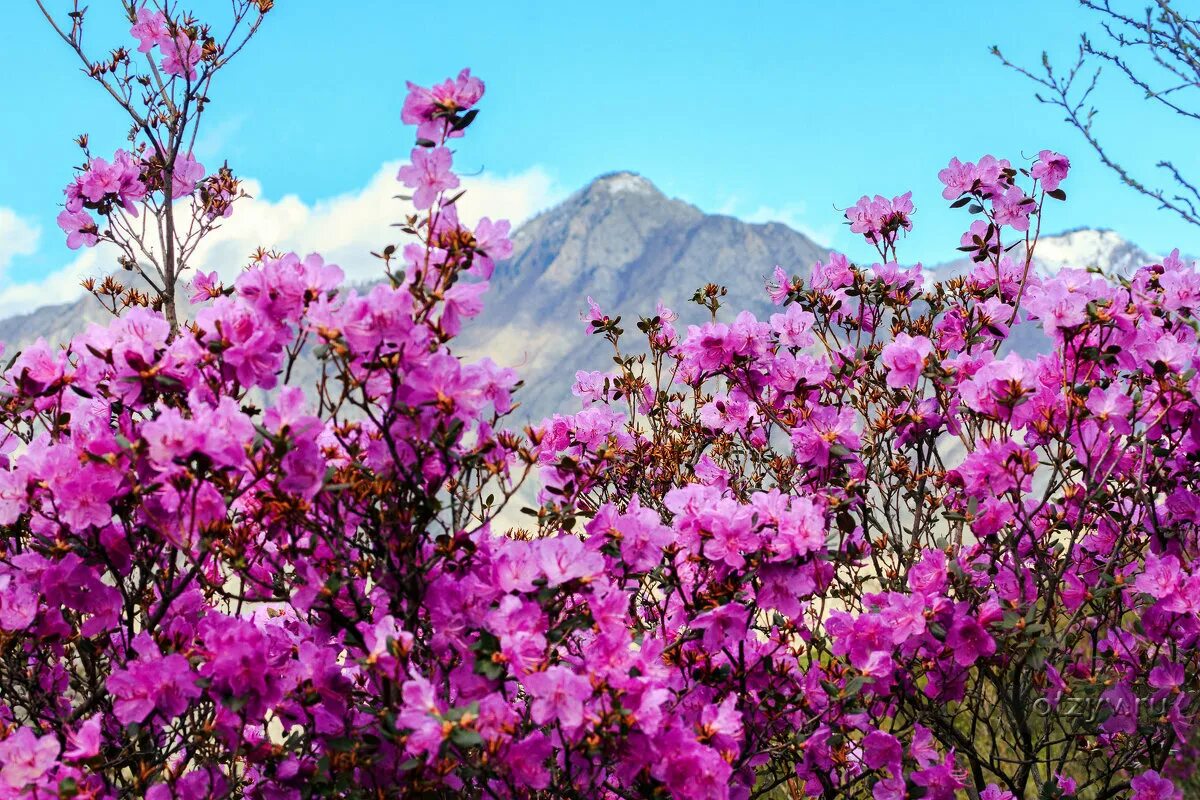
(1088,247)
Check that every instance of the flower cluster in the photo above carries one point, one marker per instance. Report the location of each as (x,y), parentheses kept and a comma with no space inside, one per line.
(154,204)
(180,45)
(848,550)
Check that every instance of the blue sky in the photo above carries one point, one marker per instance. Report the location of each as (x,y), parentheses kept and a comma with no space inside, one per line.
(760,109)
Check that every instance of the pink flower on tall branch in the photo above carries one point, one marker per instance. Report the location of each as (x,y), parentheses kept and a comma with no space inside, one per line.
(429,173)
(187,173)
(429,109)
(181,54)
(880,219)
(1051,169)
(150,29)
(80,228)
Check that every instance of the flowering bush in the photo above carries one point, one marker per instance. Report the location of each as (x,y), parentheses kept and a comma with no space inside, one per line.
(849,550)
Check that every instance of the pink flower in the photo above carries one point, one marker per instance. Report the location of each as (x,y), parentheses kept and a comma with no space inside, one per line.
(779,286)
(429,173)
(728,413)
(205,286)
(119,182)
(85,741)
(422,105)
(905,615)
(186,174)
(180,55)
(1160,578)
(150,29)
(463,300)
(26,758)
(19,601)
(491,245)
(880,219)
(163,684)
(566,558)
(80,228)
(793,326)
(928,576)
(969,641)
(558,696)
(994,174)
(881,749)
(1111,406)
(834,275)
(1152,786)
(904,358)
(1051,169)
(958,178)
(1011,208)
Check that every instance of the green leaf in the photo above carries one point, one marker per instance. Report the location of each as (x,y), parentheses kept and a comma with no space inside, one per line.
(466,738)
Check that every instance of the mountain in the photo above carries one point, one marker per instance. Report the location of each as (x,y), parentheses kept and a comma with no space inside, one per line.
(1090,247)
(624,243)
(1080,248)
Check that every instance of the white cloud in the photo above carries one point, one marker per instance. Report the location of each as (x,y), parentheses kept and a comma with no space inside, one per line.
(18,237)
(344,229)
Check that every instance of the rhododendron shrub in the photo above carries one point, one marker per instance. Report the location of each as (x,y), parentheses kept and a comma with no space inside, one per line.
(912,561)
(858,548)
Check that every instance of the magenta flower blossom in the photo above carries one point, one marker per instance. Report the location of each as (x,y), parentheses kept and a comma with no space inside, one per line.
(928,576)
(1160,577)
(119,183)
(1011,208)
(994,792)
(969,641)
(558,696)
(85,741)
(793,327)
(164,685)
(881,749)
(904,358)
(429,174)
(880,219)
(1151,786)
(491,239)
(19,602)
(1051,169)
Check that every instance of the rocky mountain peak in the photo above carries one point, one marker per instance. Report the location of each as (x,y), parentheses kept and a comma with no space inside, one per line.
(623,182)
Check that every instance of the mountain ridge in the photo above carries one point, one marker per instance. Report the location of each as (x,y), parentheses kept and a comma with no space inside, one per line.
(621,241)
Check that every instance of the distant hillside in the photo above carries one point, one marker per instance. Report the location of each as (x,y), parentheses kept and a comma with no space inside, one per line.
(625,244)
